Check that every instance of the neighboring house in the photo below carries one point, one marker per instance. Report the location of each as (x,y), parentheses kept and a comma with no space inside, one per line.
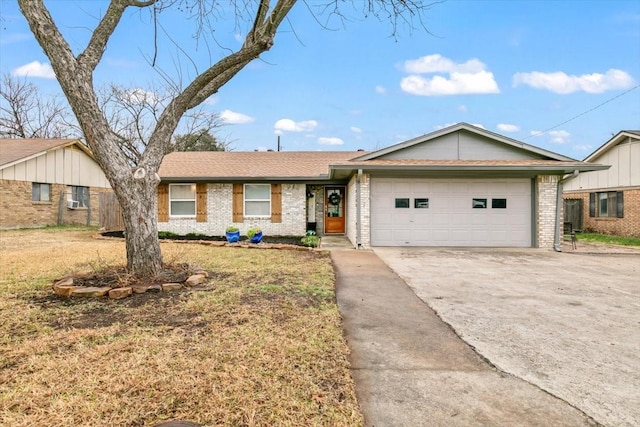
(608,201)
(48,182)
(460,186)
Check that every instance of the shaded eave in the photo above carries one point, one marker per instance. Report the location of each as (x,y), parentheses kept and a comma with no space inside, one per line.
(322,179)
(345,171)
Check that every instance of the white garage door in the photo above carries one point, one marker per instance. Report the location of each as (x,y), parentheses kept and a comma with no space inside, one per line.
(451,212)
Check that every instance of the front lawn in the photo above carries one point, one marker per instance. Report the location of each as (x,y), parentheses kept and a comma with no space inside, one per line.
(259,344)
(608,239)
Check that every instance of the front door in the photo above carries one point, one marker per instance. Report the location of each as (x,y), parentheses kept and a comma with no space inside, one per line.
(334,206)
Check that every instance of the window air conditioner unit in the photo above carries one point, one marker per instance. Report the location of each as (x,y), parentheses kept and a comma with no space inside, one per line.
(73,204)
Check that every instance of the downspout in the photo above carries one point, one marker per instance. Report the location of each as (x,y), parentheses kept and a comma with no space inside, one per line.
(556,238)
(358,210)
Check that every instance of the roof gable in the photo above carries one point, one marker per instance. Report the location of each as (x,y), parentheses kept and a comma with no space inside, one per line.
(14,151)
(619,138)
(463,142)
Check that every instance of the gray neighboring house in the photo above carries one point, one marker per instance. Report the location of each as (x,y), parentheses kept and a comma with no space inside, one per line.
(459,186)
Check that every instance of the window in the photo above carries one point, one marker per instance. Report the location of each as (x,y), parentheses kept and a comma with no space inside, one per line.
(606,204)
(402,203)
(40,192)
(257,200)
(421,203)
(182,200)
(499,203)
(80,195)
(479,204)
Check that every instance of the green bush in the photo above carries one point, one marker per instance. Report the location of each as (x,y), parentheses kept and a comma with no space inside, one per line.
(310,241)
(166,235)
(253,231)
(232,229)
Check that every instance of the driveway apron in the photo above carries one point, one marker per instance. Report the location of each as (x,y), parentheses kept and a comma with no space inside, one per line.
(411,369)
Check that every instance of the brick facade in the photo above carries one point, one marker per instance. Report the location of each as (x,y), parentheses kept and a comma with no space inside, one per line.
(365,211)
(19,211)
(545,210)
(220,214)
(628,226)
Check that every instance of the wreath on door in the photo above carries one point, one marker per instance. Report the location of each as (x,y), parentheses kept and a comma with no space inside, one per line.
(335,199)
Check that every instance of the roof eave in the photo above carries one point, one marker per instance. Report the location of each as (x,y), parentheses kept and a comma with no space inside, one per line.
(479,168)
(615,140)
(243,178)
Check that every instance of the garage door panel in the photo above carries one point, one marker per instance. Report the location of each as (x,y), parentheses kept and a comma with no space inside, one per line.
(450,219)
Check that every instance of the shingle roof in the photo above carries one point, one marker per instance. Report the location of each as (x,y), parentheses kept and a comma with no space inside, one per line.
(251,164)
(12,150)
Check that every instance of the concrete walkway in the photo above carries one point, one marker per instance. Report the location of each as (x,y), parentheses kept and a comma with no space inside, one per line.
(411,369)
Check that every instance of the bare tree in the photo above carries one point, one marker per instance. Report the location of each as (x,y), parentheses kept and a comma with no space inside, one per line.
(24,113)
(135,187)
(132,115)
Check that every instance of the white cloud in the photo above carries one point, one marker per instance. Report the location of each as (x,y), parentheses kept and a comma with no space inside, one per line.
(471,77)
(330,140)
(15,38)
(560,82)
(355,129)
(35,69)
(292,126)
(381,89)
(505,127)
(140,96)
(478,125)
(233,118)
(557,136)
(438,64)
(462,108)
(239,37)
(456,84)
(446,125)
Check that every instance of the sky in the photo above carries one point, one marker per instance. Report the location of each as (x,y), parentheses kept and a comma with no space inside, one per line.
(559,75)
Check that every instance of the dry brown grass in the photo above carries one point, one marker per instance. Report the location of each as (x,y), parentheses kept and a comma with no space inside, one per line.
(261,344)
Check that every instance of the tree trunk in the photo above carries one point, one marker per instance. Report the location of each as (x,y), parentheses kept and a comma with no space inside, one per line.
(139,210)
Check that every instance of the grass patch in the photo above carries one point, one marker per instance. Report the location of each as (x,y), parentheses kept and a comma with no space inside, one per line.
(260,344)
(608,239)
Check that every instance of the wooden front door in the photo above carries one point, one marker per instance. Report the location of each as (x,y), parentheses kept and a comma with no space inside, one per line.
(334,208)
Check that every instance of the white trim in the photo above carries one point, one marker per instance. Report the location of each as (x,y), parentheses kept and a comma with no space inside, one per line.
(194,200)
(244,200)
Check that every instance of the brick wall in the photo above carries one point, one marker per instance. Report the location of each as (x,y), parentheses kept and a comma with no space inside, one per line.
(629,226)
(220,209)
(17,210)
(365,214)
(546,198)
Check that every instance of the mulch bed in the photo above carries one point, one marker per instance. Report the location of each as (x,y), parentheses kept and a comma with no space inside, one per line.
(275,240)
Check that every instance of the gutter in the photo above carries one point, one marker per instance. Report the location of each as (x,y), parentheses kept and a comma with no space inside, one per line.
(556,237)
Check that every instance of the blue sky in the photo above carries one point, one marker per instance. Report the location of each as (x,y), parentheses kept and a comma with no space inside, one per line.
(513,67)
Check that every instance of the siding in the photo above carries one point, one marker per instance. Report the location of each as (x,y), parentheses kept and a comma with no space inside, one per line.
(66,166)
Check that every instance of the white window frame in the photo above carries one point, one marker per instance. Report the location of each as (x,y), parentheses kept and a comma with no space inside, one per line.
(194,200)
(245,200)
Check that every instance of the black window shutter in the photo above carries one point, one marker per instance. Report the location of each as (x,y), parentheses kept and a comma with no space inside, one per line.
(592,204)
(620,204)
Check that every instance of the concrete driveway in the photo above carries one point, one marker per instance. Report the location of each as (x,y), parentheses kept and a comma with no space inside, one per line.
(568,323)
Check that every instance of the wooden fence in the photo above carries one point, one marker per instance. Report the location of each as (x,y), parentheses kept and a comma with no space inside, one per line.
(110,213)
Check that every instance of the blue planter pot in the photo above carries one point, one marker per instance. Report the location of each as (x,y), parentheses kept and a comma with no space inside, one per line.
(256,238)
(233,236)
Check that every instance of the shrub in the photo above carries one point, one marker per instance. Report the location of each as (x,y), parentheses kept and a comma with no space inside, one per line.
(232,229)
(310,241)
(253,231)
